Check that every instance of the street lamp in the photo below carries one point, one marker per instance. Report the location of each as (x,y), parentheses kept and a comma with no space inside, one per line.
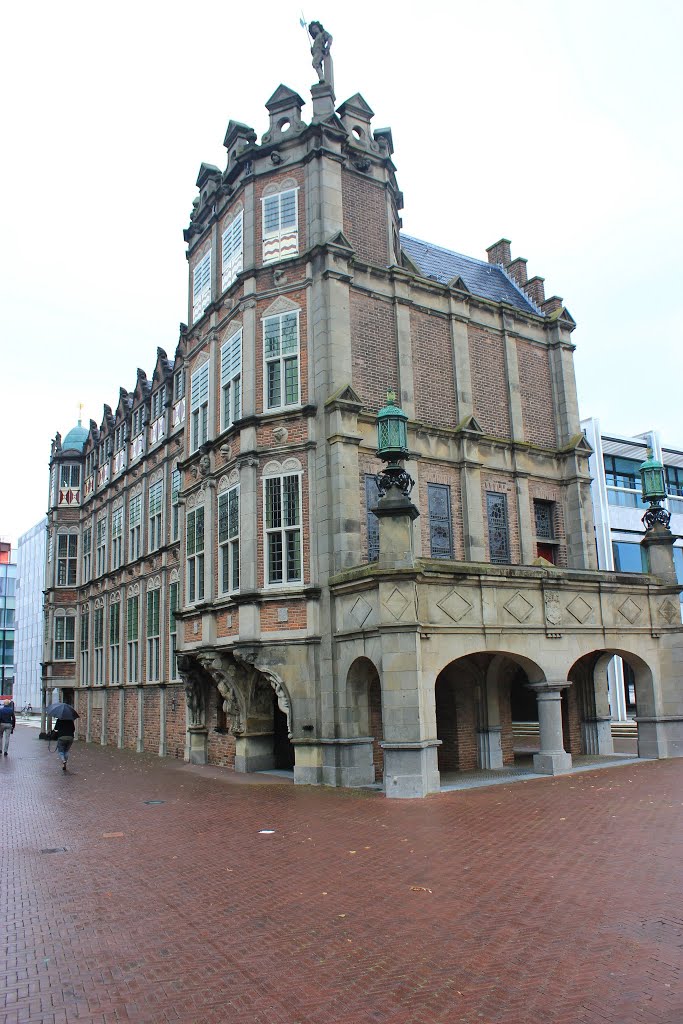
(654,491)
(392,448)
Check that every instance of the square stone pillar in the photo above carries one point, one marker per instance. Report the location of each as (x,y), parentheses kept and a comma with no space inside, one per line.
(411,768)
(197,744)
(254,753)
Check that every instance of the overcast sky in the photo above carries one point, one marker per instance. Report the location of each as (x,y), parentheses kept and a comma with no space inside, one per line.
(556,125)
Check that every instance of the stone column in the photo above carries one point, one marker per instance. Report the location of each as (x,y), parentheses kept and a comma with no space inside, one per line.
(552,757)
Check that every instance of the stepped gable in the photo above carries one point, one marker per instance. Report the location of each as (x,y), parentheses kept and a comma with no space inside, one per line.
(485,279)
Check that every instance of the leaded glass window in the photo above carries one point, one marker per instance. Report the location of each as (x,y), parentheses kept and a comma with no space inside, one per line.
(499,534)
(440,528)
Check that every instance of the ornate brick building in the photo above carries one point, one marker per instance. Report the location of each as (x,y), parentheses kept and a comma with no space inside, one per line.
(236,525)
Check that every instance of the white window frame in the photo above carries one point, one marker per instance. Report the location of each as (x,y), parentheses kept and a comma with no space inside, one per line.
(67,559)
(133,639)
(199,407)
(101,545)
(153,633)
(175,504)
(231,380)
(232,251)
(62,640)
(229,541)
(173,604)
(85,645)
(280,242)
(155,504)
(196,576)
(280,360)
(201,286)
(115,642)
(87,554)
(135,527)
(98,643)
(117,538)
(283,531)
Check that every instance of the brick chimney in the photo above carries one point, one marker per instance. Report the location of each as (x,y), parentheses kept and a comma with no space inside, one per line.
(535,289)
(499,252)
(553,304)
(517,270)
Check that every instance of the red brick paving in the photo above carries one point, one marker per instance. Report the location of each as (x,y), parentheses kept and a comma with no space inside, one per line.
(551,901)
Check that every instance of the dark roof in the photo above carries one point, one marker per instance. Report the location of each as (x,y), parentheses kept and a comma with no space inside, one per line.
(485,279)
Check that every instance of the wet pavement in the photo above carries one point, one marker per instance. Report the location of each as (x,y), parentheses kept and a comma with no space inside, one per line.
(145,890)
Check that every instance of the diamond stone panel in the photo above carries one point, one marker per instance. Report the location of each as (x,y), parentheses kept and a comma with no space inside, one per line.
(519,607)
(396,603)
(454,605)
(580,609)
(360,611)
(630,610)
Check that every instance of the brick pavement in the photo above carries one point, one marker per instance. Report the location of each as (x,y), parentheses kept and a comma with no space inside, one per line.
(552,901)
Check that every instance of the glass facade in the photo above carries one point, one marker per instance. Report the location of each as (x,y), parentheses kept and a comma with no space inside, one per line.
(8,585)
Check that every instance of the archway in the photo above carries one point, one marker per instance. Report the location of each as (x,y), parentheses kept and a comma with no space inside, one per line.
(364,708)
(473,699)
(590,676)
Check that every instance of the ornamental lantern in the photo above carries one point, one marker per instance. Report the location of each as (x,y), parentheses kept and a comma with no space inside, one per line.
(392,447)
(392,431)
(654,491)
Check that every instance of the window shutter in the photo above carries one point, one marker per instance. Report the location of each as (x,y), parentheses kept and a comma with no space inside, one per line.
(200,387)
(201,286)
(232,251)
(231,358)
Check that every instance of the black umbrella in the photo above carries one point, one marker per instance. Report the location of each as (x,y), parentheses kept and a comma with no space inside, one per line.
(62,711)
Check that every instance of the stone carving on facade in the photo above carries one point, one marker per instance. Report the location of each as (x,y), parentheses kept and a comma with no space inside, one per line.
(553,609)
(248,657)
(194,689)
(320,52)
(224,675)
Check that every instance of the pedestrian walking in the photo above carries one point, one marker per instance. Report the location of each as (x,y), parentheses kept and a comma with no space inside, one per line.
(7,723)
(64,729)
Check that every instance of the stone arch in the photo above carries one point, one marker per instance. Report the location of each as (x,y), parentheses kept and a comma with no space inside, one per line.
(589,676)
(364,701)
(473,709)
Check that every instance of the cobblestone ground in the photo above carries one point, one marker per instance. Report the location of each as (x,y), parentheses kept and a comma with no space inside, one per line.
(551,901)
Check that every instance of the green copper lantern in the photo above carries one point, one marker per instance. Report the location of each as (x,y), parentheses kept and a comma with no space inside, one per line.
(652,479)
(392,431)
(654,491)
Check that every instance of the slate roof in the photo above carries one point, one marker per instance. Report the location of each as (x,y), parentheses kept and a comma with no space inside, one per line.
(485,279)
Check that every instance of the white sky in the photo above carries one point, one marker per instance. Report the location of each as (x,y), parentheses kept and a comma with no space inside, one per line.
(556,125)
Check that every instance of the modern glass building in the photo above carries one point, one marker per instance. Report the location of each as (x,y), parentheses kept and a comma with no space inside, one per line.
(29,615)
(8,579)
(618,511)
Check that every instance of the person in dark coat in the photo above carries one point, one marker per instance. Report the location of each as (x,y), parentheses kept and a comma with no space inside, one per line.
(65,730)
(8,722)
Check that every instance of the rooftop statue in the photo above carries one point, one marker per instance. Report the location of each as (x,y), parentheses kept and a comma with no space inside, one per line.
(320,52)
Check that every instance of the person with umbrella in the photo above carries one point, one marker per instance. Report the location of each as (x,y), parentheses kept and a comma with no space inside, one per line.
(64,729)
